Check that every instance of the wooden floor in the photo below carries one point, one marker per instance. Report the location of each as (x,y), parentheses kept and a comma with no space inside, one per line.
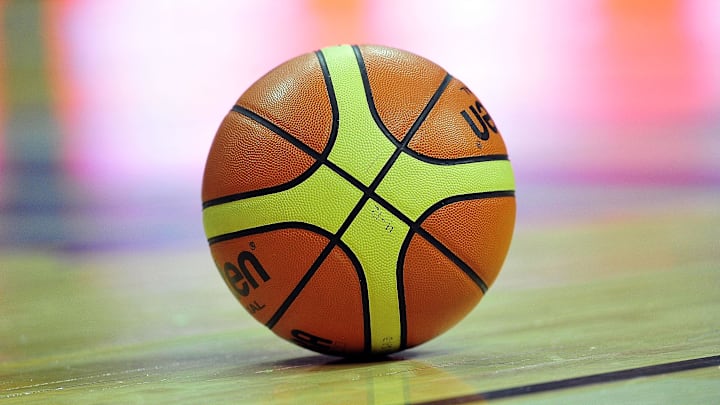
(595,287)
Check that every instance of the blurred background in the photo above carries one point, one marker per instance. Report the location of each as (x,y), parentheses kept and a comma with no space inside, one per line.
(108,108)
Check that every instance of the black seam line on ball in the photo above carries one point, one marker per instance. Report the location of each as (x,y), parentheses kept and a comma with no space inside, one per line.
(376,116)
(441,246)
(456,259)
(280,187)
(369,96)
(300,286)
(457,161)
(464,197)
(269,228)
(264,191)
(303,282)
(320,159)
(414,227)
(333,103)
(400,280)
(402,147)
(365,296)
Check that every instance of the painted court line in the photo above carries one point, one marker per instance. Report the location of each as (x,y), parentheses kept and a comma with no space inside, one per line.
(658,369)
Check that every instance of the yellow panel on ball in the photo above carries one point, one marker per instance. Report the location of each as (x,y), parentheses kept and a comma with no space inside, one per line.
(324,199)
(376,236)
(361,156)
(437,182)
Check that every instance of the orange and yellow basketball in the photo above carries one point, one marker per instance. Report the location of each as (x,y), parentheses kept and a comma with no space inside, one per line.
(358,200)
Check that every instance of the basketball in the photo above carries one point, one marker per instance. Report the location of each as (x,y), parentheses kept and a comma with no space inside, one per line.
(358,200)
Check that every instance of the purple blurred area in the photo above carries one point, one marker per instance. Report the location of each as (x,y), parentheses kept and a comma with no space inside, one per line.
(108,108)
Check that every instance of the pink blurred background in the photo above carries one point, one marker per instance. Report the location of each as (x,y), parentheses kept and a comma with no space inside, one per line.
(117,101)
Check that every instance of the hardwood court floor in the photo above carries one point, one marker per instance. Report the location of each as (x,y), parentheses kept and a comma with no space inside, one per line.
(610,294)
